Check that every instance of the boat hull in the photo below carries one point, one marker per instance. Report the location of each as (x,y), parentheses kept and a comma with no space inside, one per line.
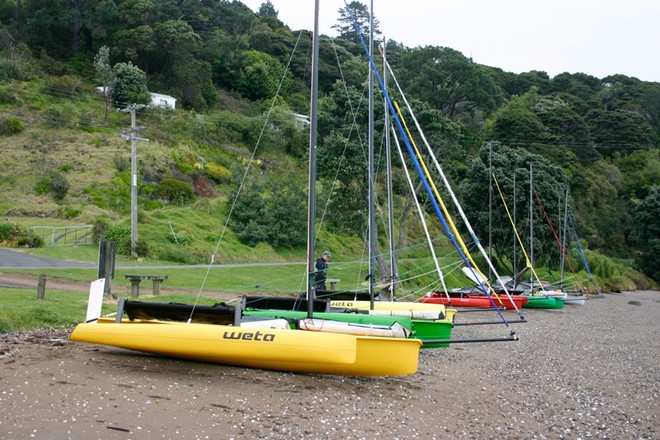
(575,300)
(515,302)
(285,350)
(388,305)
(543,302)
(424,330)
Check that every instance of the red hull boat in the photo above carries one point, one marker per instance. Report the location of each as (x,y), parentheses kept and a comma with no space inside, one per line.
(476,301)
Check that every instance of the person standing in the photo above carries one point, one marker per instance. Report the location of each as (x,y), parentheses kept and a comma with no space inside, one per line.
(321,271)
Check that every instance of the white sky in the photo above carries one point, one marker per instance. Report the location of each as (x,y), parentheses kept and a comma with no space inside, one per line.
(595,37)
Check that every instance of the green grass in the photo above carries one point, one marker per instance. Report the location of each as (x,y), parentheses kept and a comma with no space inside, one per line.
(59,309)
(22,311)
(82,253)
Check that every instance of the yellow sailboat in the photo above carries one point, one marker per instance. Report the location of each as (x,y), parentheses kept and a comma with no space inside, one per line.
(413,310)
(286,350)
(300,351)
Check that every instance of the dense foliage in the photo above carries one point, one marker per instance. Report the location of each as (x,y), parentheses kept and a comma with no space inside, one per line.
(228,67)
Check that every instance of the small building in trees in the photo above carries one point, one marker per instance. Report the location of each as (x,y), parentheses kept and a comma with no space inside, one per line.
(300,121)
(157,99)
(163,101)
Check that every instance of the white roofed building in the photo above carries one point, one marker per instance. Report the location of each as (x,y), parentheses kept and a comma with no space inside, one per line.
(157,99)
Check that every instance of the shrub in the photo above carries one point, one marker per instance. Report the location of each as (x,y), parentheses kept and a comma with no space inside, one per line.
(42,187)
(66,86)
(8,96)
(14,69)
(13,235)
(11,125)
(37,241)
(6,231)
(204,205)
(179,256)
(101,225)
(121,237)
(185,162)
(67,212)
(58,186)
(85,122)
(217,172)
(174,191)
(55,184)
(142,248)
(121,162)
(180,238)
(59,115)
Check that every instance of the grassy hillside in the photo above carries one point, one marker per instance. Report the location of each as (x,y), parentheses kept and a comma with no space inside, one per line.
(63,137)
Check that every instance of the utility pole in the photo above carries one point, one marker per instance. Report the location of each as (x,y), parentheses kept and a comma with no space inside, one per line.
(130,134)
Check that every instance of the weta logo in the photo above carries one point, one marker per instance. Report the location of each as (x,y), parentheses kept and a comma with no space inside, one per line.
(341,303)
(249,336)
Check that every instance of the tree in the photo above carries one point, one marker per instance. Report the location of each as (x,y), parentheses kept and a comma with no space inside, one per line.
(549,181)
(616,130)
(271,211)
(646,234)
(261,76)
(267,10)
(360,13)
(226,56)
(603,212)
(449,82)
(104,74)
(129,85)
(137,12)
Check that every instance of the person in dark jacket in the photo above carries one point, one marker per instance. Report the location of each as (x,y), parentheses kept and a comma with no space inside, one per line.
(321,271)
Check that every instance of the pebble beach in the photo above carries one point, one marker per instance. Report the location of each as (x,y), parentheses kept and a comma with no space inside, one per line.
(583,372)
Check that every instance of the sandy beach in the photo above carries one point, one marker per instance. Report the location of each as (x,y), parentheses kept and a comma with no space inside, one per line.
(589,371)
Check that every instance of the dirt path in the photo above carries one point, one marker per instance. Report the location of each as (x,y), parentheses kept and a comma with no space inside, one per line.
(582,372)
(24,281)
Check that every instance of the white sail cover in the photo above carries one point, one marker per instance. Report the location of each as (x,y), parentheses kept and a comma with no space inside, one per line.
(428,315)
(396,330)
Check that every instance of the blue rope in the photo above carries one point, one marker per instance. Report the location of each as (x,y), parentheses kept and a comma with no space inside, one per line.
(573,231)
(418,168)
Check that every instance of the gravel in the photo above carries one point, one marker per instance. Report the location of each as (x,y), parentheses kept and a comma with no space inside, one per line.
(584,372)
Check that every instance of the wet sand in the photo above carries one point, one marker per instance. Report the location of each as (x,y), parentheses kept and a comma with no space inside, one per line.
(587,371)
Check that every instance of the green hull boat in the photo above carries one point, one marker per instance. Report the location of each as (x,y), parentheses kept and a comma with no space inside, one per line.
(543,302)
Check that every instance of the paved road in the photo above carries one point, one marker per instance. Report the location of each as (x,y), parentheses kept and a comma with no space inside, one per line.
(13,259)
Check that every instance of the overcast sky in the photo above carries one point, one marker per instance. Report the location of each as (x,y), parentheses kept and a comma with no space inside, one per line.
(596,37)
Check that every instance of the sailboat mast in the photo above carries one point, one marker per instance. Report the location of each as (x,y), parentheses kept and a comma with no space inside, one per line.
(563,258)
(311,198)
(490,206)
(531,224)
(372,223)
(515,268)
(388,155)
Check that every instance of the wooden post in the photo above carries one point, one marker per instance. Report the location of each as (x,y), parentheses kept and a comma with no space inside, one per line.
(106,269)
(135,287)
(41,287)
